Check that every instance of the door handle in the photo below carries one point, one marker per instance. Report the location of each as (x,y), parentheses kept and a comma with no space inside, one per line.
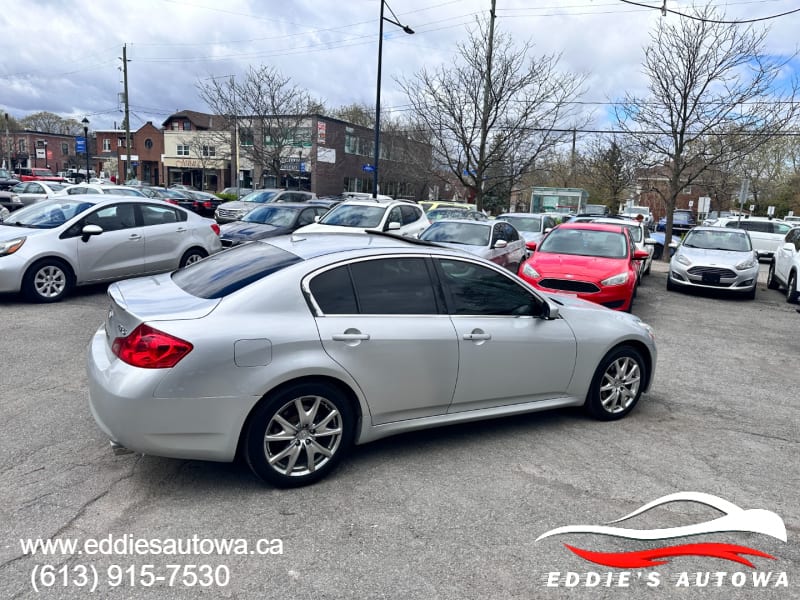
(477,336)
(181,229)
(350,337)
(134,236)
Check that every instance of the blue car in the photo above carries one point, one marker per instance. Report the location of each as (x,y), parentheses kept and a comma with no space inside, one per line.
(682,221)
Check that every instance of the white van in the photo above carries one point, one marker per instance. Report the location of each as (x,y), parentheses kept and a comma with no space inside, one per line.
(766,234)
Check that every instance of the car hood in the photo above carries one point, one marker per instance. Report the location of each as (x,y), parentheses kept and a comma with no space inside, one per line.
(320,228)
(717,258)
(237,205)
(591,268)
(158,298)
(8,232)
(250,231)
(477,250)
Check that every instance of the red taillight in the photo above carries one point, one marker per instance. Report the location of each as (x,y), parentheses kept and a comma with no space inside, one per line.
(171,201)
(150,348)
(207,204)
(215,227)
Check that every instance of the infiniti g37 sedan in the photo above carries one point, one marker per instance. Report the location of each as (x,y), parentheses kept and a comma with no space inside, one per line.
(53,245)
(293,349)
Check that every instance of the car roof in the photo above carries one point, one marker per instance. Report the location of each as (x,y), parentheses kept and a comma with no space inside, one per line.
(373,202)
(308,245)
(293,205)
(467,221)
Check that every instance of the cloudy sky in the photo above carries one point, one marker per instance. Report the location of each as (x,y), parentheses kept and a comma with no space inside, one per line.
(64,56)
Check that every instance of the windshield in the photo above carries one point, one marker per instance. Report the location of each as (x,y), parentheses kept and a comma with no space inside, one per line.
(585,242)
(279,216)
(354,215)
(471,234)
(260,196)
(636,210)
(47,214)
(524,223)
(732,241)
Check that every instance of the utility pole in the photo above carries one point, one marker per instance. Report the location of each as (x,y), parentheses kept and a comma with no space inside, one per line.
(487,90)
(127,113)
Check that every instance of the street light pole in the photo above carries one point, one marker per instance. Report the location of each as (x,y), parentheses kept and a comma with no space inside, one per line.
(86,144)
(376,158)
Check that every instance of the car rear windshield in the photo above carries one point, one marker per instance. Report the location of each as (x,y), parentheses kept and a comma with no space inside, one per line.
(524,223)
(224,273)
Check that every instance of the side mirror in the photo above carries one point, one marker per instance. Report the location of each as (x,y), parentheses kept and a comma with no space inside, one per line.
(90,230)
(531,245)
(393,226)
(317,218)
(640,254)
(499,244)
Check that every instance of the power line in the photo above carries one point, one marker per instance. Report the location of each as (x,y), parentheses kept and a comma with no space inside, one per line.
(663,8)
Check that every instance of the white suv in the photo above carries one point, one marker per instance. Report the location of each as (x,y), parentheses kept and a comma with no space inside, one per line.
(766,234)
(398,216)
(633,211)
(784,270)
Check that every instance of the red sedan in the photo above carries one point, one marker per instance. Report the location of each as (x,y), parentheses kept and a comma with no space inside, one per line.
(594,261)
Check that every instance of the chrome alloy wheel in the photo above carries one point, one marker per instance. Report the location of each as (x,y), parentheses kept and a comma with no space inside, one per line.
(302,436)
(50,281)
(620,384)
(193,258)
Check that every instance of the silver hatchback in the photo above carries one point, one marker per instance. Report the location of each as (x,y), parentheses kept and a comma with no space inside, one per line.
(291,350)
(53,245)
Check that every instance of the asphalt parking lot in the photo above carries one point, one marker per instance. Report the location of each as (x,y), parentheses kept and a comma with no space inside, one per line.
(444,513)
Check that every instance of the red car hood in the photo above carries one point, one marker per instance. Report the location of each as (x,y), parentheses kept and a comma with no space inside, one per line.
(587,268)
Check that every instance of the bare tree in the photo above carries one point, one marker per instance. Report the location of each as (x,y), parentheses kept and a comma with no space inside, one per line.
(47,122)
(609,170)
(495,110)
(269,112)
(707,78)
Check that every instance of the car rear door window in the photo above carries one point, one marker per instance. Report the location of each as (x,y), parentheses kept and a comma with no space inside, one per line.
(333,292)
(398,286)
(153,214)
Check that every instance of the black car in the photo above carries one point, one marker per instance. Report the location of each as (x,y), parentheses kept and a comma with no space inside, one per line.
(270,220)
(203,203)
(7,180)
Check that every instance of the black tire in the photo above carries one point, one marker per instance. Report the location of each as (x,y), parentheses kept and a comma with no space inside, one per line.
(617,384)
(48,280)
(300,455)
(772,281)
(791,288)
(192,255)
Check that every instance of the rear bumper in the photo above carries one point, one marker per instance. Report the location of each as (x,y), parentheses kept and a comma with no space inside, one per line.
(123,403)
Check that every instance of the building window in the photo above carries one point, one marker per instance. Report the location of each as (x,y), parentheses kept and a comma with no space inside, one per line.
(183,149)
(175,126)
(209,151)
(148,143)
(22,146)
(120,142)
(245,137)
(106,145)
(187,126)
(64,149)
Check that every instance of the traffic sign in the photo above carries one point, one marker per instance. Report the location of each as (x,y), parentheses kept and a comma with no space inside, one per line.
(368,168)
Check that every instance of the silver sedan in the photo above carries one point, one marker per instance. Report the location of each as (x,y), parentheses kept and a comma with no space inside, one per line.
(496,241)
(715,258)
(290,350)
(53,245)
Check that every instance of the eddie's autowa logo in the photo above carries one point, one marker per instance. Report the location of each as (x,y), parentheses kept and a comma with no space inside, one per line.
(733,520)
